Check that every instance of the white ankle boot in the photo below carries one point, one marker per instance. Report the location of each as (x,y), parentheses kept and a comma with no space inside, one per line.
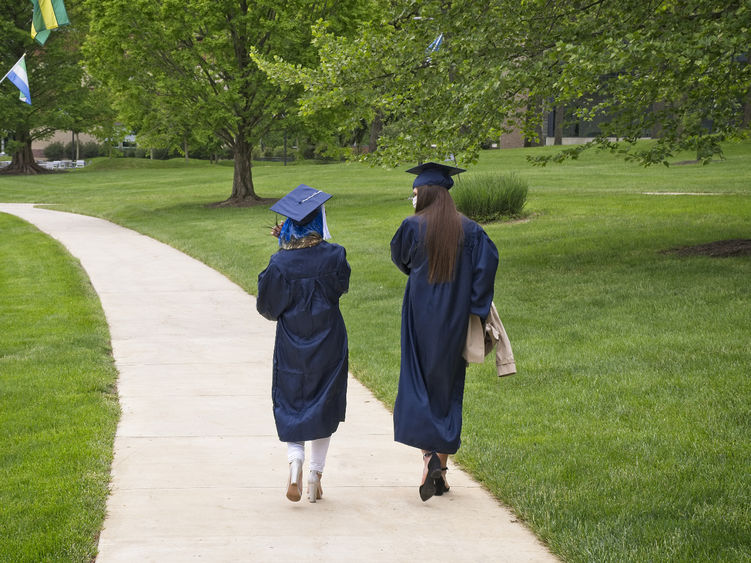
(314,486)
(294,485)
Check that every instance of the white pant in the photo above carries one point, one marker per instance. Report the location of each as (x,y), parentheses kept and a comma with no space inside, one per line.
(318,450)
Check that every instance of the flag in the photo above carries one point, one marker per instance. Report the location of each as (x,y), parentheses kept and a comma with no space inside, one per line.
(433,47)
(48,14)
(436,44)
(17,75)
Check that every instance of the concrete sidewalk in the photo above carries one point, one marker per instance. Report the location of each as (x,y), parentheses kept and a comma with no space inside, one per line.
(199,472)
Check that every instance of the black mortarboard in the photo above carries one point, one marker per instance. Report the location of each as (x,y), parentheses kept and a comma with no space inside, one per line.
(300,203)
(434,173)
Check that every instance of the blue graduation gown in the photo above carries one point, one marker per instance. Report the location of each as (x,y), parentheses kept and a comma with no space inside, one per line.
(300,289)
(428,408)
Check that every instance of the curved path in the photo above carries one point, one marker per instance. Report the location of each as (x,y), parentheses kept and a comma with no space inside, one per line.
(198,471)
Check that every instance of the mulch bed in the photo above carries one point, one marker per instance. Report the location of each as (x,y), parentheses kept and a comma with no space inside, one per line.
(717,249)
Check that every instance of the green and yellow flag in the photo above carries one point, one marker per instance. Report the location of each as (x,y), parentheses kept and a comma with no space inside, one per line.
(48,14)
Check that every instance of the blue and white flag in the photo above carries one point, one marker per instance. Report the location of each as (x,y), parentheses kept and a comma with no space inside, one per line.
(17,75)
(436,44)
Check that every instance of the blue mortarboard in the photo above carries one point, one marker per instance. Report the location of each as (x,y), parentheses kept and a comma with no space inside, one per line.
(300,204)
(434,173)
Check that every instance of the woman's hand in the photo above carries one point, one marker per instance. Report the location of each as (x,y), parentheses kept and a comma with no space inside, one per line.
(275,231)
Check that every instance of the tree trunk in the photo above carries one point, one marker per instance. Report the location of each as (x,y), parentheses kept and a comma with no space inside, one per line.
(537,139)
(656,131)
(23,161)
(375,131)
(78,148)
(558,125)
(185,148)
(242,181)
(747,101)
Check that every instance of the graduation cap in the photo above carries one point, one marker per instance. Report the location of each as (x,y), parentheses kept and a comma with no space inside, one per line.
(301,203)
(434,173)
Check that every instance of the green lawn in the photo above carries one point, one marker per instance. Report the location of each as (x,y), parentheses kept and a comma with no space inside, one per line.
(625,436)
(58,408)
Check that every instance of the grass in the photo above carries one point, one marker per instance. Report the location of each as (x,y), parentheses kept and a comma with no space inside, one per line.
(488,196)
(58,409)
(625,434)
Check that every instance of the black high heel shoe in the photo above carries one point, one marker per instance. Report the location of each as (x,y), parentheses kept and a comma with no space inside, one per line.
(428,488)
(440,484)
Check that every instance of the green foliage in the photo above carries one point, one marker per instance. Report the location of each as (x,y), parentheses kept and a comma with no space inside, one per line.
(60,151)
(180,71)
(490,196)
(58,406)
(91,149)
(209,151)
(279,152)
(667,68)
(55,151)
(63,97)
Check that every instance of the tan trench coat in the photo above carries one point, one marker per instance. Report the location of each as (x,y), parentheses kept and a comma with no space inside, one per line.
(481,341)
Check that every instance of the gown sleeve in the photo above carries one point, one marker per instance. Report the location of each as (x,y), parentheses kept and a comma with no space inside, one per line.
(343,273)
(401,247)
(485,264)
(273,293)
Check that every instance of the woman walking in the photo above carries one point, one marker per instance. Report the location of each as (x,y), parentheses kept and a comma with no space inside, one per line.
(451,263)
(300,289)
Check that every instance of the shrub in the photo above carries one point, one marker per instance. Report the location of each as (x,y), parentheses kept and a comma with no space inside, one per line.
(54,151)
(210,151)
(306,151)
(490,196)
(224,153)
(91,149)
(70,151)
(160,154)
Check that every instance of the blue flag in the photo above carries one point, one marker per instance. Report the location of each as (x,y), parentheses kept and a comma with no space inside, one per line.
(436,44)
(17,75)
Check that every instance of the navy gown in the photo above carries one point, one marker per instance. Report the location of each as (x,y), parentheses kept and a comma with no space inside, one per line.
(428,408)
(300,289)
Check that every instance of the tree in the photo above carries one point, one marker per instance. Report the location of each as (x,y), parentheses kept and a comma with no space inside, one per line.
(188,62)
(505,64)
(61,96)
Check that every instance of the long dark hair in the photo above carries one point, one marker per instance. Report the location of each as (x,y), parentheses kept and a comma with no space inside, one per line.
(443,231)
